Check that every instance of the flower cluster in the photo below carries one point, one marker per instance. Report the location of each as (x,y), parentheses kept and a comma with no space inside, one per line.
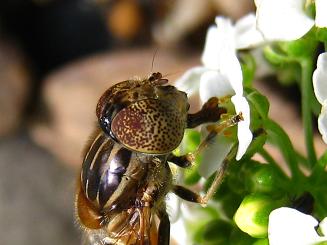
(220,76)
(257,203)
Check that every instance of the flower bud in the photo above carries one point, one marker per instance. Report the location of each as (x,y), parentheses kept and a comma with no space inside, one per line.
(264,241)
(252,215)
(263,179)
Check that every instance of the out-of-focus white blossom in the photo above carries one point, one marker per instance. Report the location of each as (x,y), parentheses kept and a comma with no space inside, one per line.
(320,88)
(289,226)
(321,17)
(221,76)
(287,20)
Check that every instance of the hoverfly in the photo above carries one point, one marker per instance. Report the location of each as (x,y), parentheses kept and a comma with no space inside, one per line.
(125,175)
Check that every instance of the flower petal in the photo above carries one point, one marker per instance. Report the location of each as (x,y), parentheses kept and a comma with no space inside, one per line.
(219,53)
(214,84)
(178,231)
(190,81)
(282,20)
(219,44)
(320,78)
(214,155)
(246,33)
(173,204)
(289,226)
(244,133)
(322,122)
(321,17)
(229,64)
(210,55)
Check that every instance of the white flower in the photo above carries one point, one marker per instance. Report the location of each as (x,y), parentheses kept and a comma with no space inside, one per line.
(321,17)
(289,226)
(177,231)
(320,88)
(221,76)
(286,20)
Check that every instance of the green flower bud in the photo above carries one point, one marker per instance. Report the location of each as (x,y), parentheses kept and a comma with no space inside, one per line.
(264,241)
(252,215)
(262,179)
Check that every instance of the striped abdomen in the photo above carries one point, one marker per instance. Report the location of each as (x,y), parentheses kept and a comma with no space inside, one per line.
(111,174)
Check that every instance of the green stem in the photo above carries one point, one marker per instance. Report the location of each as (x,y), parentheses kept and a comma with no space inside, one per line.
(307,93)
(273,163)
(284,144)
(319,169)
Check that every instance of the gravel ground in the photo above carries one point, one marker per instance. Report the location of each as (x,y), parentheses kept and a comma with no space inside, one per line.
(36,196)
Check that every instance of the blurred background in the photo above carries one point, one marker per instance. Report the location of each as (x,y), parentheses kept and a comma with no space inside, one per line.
(56,59)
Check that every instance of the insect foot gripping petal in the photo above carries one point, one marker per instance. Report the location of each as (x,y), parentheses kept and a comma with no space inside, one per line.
(210,112)
(232,121)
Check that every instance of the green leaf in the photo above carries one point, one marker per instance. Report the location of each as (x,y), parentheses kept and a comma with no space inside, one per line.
(240,238)
(288,74)
(287,68)
(259,139)
(190,142)
(213,232)
(279,138)
(301,48)
(217,230)
(323,160)
(321,34)
(259,102)
(191,175)
(276,56)
(230,204)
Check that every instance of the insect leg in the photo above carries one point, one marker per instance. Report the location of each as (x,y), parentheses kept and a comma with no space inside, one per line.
(210,112)
(181,161)
(164,228)
(214,130)
(187,194)
(191,196)
(185,161)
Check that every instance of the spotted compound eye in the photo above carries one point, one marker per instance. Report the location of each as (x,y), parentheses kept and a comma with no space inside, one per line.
(149,126)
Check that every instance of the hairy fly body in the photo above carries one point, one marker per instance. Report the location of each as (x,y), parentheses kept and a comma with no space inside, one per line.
(125,175)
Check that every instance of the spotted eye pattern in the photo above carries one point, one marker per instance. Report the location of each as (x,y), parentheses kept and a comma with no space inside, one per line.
(149,126)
